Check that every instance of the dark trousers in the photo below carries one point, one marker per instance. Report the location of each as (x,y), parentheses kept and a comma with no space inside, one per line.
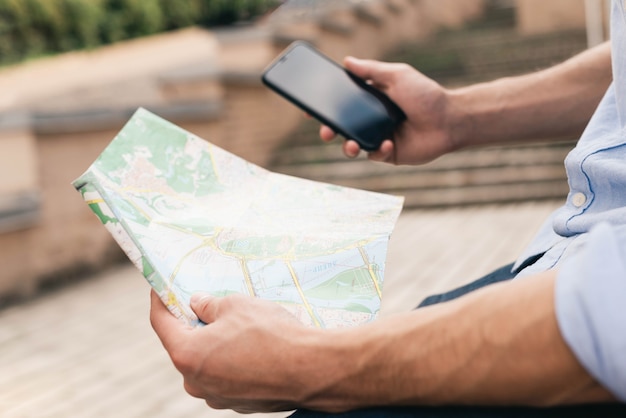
(579,411)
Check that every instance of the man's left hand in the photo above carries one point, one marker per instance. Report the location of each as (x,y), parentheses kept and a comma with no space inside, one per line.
(243,359)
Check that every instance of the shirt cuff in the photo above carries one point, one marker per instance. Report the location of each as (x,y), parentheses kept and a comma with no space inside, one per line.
(591,306)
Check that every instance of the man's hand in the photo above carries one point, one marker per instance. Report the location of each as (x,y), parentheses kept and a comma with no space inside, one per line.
(550,104)
(252,356)
(425,135)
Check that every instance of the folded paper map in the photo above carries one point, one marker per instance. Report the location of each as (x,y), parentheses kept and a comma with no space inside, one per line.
(195,218)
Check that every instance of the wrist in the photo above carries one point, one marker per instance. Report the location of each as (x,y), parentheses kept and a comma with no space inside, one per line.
(474,112)
(459,121)
(360,367)
(331,372)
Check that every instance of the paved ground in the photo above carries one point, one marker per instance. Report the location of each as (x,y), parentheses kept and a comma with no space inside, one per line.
(88,350)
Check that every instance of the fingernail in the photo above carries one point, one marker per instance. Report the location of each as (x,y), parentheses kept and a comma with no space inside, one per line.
(198,298)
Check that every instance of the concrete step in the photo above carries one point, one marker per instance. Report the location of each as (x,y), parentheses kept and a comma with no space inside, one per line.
(495,174)
(462,57)
(327,159)
(421,178)
(485,194)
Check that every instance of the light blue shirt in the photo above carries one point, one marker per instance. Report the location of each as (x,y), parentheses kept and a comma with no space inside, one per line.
(586,238)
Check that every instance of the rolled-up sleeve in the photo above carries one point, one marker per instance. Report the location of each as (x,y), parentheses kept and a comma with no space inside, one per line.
(591,306)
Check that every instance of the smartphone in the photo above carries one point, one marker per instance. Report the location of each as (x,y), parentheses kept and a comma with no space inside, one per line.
(333,95)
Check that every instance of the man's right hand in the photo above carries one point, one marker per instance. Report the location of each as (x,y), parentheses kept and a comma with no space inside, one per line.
(551,104)
(426,134)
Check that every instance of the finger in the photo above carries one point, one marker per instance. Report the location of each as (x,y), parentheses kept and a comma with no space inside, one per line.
(351,149)
(247,406)
(193,390)
(326,133)
(168,328)
(385,153)
(376,71)
(205,306)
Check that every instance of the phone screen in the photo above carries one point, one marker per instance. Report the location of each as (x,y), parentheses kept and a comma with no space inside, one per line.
(334,96)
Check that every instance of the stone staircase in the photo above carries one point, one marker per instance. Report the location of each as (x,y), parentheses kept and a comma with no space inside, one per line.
(477,176)
(483,50)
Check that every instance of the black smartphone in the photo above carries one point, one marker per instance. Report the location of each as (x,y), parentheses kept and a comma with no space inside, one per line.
(333,95)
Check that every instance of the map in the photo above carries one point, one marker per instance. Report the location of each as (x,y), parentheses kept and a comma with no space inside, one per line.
(194,218)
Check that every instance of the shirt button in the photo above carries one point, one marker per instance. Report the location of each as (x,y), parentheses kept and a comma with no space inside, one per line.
(579,199)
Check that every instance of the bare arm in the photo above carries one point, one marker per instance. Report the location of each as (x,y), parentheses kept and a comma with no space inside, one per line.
(550,103)
(500,345)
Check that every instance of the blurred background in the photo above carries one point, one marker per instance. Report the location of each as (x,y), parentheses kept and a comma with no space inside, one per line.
(73,71)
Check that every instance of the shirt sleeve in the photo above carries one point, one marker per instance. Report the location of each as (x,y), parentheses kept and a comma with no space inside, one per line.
(591,306)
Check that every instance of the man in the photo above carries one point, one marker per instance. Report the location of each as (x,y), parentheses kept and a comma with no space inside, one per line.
(554,336)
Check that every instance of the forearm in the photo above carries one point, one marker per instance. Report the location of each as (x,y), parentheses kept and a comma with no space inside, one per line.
(500,345)
(552,103)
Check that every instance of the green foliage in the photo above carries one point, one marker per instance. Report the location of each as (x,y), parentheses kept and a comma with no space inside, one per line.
(34,27)
(180,13)
(224,12)
(130,18)
(83,19)
(12,17)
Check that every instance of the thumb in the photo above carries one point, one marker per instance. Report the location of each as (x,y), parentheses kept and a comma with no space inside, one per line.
(205,307)
(376,71)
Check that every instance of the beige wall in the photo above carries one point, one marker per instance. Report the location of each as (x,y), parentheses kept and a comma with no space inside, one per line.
(18,161)
(450,13)
(65,239)
(541,16)
(67,234)
(254,121)
(17,276)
